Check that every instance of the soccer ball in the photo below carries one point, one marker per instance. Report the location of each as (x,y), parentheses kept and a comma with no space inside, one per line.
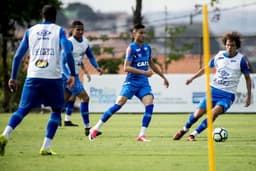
(220,134)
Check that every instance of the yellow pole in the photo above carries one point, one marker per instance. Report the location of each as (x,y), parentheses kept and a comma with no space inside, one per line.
(208,90)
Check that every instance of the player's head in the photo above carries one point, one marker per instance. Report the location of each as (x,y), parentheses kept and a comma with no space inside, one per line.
(232,42)
(49,13)
(77,29)
(138,32)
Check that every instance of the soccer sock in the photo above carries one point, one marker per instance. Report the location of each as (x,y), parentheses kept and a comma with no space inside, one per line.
(84,110)
(17,117)
(46,144)
(147,115)
(191,120)
(7,131)
(69,110)
(142,131)
(98,125)
(202,126)
(107,114)
(52,125)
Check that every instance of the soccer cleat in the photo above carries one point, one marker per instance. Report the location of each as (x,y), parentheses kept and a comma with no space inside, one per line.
(48,152)
(142,138)
(191,138)
(93,134)
(87,132)
(179,134)
(69,123)
(3,142)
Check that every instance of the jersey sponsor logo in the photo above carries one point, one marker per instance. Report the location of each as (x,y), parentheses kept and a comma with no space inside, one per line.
(44,51)
(43,34)
(143,63)
(41,63)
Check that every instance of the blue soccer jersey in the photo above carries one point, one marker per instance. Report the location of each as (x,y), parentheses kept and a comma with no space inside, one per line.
(139,58)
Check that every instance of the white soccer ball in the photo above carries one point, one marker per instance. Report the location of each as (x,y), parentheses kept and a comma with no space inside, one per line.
(220,134)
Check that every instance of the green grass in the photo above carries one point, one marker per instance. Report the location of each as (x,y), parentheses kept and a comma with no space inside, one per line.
(117,150)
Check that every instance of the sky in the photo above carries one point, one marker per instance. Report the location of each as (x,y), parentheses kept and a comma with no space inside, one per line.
(153,5)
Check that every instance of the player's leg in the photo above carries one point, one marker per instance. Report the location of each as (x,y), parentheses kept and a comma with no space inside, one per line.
(147,100)
(69,106)
(126,93)
(193,117)
(28,99)
(53,97)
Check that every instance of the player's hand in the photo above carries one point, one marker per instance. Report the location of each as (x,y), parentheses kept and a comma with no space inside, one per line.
(148,73)
(100,71)
(71,82)
(13,85)
(166,83)
(247,102)
(89,77)
(189,81)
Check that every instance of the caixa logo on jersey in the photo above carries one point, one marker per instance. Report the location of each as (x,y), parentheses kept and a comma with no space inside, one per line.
(41,63)
(43,34)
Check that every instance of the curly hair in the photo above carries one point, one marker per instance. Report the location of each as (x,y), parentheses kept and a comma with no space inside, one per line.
(233,36)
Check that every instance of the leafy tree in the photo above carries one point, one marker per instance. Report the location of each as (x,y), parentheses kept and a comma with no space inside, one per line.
(12,14)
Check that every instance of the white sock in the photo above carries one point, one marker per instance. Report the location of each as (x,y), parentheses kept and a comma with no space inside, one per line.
(67,118)
(194,133)
(87,125)
(47,143)
(98,125)
(185,129)
(142,131)
(7,132)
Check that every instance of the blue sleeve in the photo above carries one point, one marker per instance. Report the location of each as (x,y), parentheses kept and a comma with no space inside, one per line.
(92,59)
(21,51)
(245,68)
(67,51)
(65,70)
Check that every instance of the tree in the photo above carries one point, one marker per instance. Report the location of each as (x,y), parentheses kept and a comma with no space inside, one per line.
(137,18)
(12,14)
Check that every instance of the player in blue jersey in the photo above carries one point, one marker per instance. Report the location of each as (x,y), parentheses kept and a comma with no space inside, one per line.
(43,84)
(80,48)
(137,64)
(229,65)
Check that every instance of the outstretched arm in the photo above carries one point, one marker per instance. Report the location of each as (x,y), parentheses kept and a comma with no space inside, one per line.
(249,87)
(197,74)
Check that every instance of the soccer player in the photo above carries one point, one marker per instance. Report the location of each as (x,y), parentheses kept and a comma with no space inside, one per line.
(80,47)
(43,84)
(229,65)
(137,62)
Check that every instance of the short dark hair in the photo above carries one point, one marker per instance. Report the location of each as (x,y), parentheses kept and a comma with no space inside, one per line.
(49,13)
(233,36)
(137,27)
(76,23)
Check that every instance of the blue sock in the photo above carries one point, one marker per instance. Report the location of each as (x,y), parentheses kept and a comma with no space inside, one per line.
(191,120)
(202,126)
(147,115)
(17,117)
(69,107)
(107,114)
(52,125)
(84,110)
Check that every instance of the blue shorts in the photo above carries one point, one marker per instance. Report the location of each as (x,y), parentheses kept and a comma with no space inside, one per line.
(129,91)
(220,98)
(77,89)
(38,91)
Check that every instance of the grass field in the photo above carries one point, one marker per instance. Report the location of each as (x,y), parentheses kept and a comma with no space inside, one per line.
(117,150)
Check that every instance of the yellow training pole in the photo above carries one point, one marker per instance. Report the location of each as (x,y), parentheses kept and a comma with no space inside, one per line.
(208,91)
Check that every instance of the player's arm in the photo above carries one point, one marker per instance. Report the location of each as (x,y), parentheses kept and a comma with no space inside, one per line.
(156,70)
(131,69)
(245,68)
(85,71)
(21,51)
(92,59)
(67,52)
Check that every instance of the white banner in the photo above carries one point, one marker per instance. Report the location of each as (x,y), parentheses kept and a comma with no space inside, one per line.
(178,98)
